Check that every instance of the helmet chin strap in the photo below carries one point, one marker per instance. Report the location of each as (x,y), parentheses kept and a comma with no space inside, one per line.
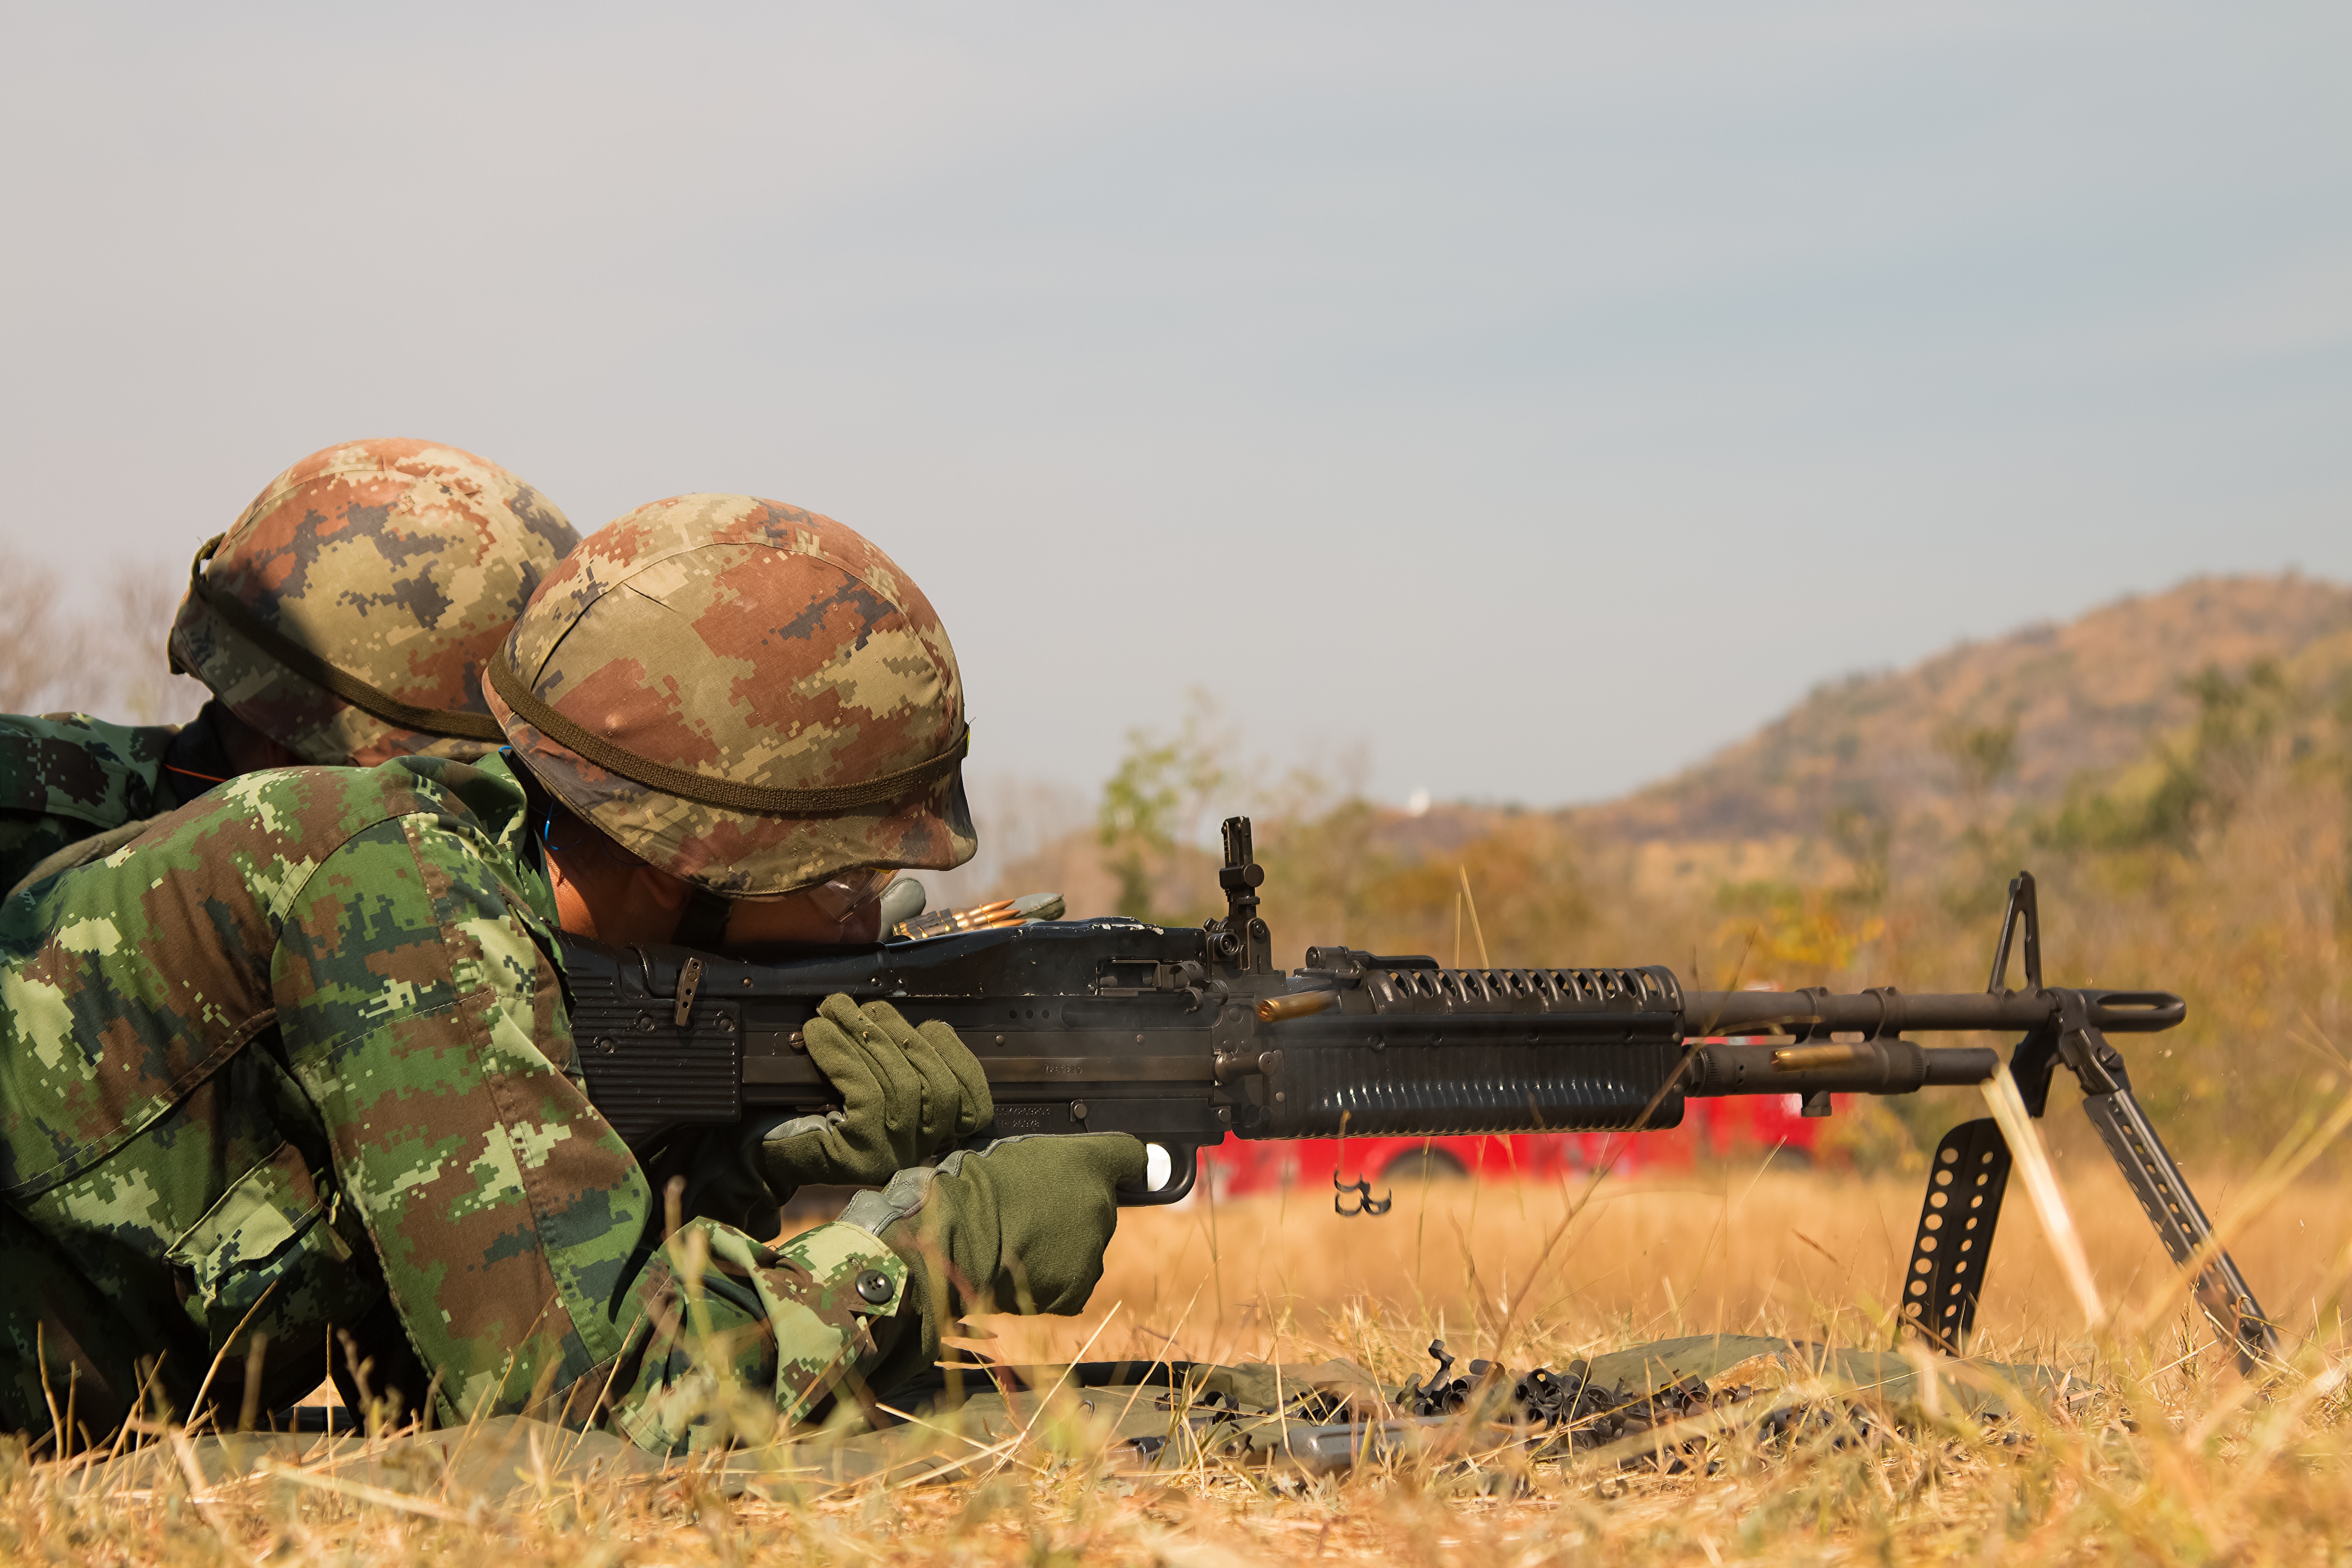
(703,926)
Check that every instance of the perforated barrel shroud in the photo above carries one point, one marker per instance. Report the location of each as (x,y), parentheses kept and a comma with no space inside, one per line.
(1483,1050)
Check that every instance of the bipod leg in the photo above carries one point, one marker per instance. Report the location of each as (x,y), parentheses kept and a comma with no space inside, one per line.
(1965,1184)
(2163,1192)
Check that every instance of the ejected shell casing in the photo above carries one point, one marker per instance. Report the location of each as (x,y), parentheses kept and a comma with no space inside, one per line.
(1297,1004)
(1798,1058)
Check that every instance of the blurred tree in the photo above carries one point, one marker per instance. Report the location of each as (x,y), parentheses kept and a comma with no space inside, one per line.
(1154,807)
(110,661)
(41,663)
(1982,756)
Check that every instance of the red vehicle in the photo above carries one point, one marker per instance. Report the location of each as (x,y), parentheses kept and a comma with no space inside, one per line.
(1745,1127)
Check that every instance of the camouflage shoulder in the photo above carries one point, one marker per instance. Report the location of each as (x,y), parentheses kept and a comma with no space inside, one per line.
(273,828)
(491,792)
(121,980)
(82,769)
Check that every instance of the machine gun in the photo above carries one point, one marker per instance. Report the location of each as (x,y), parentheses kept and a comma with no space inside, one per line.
(1181,1037)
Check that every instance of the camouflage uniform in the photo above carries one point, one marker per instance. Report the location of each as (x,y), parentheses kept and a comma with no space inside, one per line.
(346,615)
(65,776)
(297,1062)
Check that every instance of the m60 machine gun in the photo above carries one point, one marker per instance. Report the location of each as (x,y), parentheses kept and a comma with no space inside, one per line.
(1182,1036)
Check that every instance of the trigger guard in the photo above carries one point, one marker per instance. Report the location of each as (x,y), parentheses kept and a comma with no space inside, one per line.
(1187,1156)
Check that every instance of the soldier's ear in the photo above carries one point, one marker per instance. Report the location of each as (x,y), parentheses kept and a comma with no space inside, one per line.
(611,896)
(651,888)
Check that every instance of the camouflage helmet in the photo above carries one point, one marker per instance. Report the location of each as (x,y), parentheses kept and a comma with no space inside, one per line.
(349,613)
(745,694)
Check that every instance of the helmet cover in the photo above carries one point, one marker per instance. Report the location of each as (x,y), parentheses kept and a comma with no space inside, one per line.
(350,612)
(745,694)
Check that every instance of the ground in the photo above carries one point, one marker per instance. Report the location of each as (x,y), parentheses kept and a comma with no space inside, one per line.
(2158,1451)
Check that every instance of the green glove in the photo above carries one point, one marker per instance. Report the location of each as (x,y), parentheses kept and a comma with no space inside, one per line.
(1019,1227)
(906,1094)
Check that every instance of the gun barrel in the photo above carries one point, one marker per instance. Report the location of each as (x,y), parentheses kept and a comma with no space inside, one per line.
(1866,1067)
(1888,1011)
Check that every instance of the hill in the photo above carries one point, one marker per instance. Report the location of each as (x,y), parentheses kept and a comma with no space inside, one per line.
(1969,737)
(1979,731)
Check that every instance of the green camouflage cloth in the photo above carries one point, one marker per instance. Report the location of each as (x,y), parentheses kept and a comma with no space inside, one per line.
(64,776)
(750,643)
(401,563)
(295,1062)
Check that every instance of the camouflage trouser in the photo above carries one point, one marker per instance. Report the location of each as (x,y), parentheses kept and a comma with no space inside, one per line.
(66,1358)
(74,1364)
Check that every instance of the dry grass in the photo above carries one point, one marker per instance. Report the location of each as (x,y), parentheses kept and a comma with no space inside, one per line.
(1728,1248)
(2173,1458)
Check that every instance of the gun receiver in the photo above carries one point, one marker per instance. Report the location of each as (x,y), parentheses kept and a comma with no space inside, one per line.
(1111,1026)
(1181,1037)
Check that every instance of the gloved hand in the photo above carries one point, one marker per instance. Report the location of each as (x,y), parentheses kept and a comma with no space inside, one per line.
(1019,1227)
(906,1094)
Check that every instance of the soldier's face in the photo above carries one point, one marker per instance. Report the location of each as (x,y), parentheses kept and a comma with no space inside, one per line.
(605,892)
(801,919)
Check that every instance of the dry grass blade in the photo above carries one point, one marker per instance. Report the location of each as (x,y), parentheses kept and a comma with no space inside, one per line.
(2278,1174)
(375,1496)
(184,1457)
(1045,1401)
(2032,1159)
(989,1451)
(1470,901)
(982,1450)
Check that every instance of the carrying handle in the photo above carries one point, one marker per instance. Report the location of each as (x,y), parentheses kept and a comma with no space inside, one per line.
(2133,1012)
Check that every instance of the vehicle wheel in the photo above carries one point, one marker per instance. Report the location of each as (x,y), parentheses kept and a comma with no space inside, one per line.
(1424,1166)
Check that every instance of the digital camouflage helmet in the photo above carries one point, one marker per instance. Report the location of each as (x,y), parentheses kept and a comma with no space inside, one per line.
(747,695)
(350,613)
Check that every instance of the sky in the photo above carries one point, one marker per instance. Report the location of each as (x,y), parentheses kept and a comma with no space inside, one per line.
(1510,403)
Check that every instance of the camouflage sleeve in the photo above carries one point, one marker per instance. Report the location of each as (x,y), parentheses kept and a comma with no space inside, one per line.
(745,1334)
(26,839)
(519,1240)
(64,776)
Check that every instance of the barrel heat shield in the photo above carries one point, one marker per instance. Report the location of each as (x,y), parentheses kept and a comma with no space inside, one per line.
(1468,1051)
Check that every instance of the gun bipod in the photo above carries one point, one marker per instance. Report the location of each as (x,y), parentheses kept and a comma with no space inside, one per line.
(1945,1277)
(1965,1184)
(2163,1192)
